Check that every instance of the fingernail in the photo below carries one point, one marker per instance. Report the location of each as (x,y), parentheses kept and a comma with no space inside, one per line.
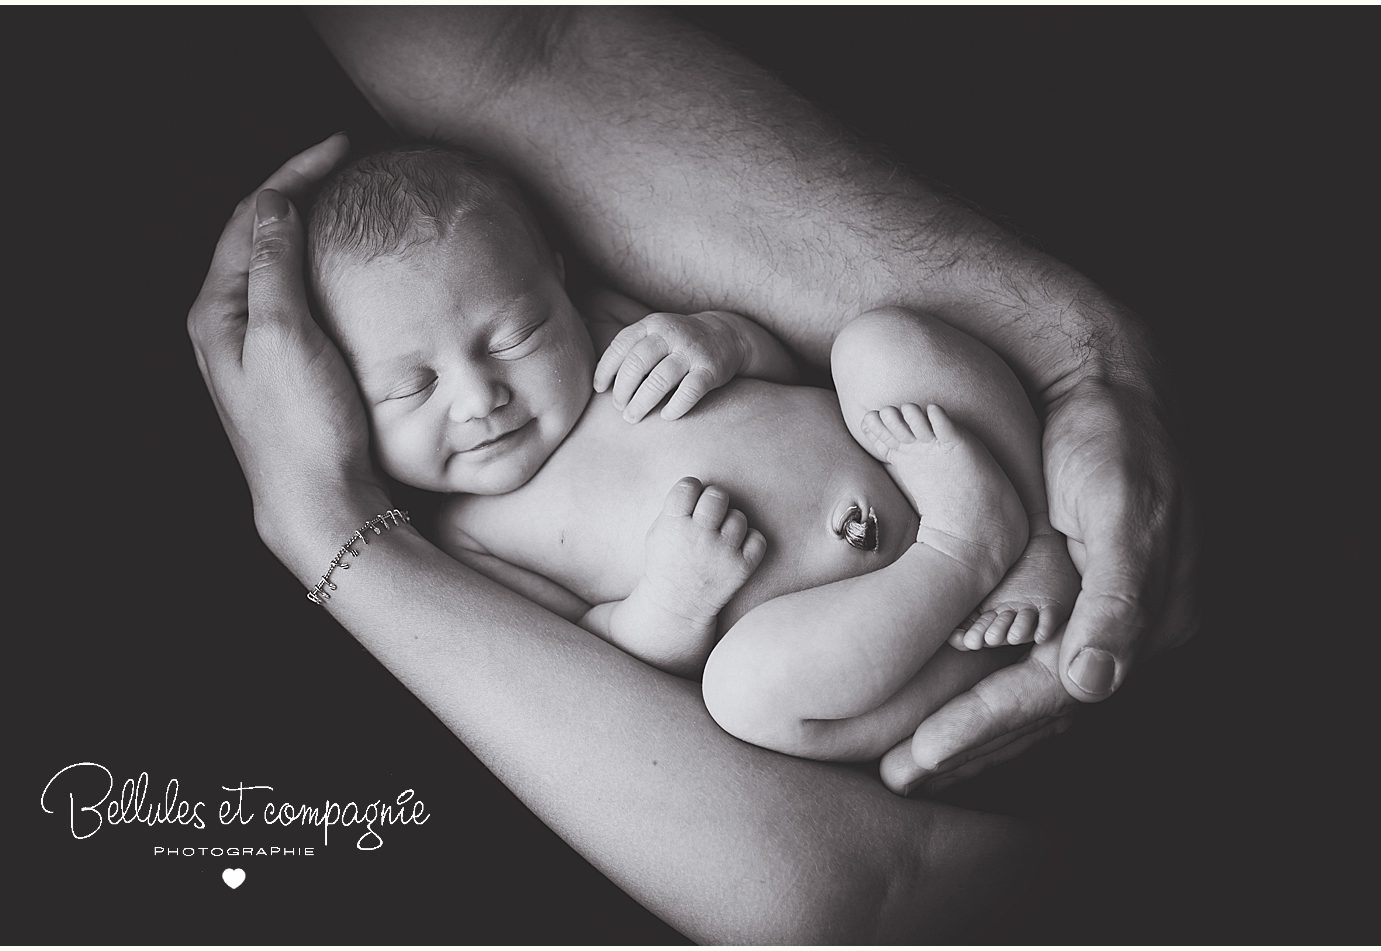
(1093,670)
(270,206)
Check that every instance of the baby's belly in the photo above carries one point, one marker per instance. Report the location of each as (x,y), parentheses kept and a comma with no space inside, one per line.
(782,453)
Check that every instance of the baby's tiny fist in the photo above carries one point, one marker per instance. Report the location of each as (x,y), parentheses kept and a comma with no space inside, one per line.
(700,551)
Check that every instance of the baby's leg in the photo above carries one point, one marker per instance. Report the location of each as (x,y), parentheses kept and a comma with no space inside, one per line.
(890,356)
(819,671)
(832,672)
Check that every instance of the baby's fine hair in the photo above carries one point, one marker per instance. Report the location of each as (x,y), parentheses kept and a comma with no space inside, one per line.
(389,201)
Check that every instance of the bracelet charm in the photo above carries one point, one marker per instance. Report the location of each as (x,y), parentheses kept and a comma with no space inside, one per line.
(384,520)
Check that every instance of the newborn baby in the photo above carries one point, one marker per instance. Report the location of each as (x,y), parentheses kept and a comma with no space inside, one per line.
(807,564)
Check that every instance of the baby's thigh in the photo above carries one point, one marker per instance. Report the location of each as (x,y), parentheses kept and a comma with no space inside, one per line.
(891,356)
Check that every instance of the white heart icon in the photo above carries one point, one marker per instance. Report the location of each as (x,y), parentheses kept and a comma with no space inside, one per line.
(234,877)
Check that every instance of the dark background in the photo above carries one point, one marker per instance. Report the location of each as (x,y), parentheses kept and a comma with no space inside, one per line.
(1207,166)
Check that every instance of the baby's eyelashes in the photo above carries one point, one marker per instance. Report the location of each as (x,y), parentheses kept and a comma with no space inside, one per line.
(409,390)
(513,341)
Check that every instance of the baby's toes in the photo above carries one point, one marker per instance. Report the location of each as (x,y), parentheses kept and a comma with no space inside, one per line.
(973,637)
(917,422)
(945,428)
(882,437)
(1051,618)
(1023,629)
(997,631)
(735,528)
(892,418)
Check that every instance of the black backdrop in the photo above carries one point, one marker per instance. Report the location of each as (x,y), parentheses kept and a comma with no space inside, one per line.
(1204,165)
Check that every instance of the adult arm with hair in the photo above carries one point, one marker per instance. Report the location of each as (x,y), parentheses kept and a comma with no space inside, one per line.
(697,181)
(726,842)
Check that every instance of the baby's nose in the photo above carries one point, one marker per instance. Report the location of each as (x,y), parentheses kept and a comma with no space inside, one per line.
(478,399)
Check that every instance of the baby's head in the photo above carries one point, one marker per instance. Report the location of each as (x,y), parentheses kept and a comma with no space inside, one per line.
(434,278)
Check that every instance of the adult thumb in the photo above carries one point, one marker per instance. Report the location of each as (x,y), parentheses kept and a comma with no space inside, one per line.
(1114,613)
(277,294)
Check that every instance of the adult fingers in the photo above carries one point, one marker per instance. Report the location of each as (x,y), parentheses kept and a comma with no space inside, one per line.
(216,322)
(277,295)
(1006,701)
(1009,747)
(613,355)
(902,776)
(226,277)
(1126,548)
(301,172)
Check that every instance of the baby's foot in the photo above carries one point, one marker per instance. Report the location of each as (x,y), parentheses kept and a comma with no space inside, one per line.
(1033,600)
(699,554)
(968,507)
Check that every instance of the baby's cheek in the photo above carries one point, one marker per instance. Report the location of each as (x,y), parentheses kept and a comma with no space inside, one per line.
(402,455)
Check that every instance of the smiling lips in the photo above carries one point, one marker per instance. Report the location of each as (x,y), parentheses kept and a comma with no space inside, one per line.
(496,440)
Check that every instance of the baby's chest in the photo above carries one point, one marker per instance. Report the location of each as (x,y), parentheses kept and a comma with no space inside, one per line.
(583,520)
(580,522)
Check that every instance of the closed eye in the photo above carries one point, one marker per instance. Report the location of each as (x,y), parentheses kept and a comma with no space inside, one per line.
(416,388)
(513,341)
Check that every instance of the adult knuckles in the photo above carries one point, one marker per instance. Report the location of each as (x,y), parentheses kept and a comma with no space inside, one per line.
(196,324)
(271,245)
(275,343)
(245,205)
(1131,503)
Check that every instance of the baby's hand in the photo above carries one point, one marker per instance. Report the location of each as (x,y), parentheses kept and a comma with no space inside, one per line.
(646,360)
(699,553)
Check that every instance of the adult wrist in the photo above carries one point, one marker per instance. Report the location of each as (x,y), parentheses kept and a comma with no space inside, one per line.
(304,527)
(1097,341)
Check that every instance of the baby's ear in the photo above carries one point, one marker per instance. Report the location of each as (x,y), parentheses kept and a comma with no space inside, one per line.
(560,267)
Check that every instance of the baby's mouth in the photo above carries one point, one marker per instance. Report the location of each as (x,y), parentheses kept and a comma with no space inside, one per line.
(497,440)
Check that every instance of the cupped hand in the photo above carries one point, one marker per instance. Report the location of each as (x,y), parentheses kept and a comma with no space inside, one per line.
(693,353)
(1116,491)
(283,392)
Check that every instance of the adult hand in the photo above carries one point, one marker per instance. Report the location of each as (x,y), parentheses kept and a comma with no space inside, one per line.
(1115,492)
(284,395)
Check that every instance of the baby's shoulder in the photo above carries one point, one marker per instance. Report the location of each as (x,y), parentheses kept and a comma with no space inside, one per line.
(452,517)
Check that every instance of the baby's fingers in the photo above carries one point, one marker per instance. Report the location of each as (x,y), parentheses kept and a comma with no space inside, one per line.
(637,363)
(658,383)
(692,390)
(613,356)
(754,547)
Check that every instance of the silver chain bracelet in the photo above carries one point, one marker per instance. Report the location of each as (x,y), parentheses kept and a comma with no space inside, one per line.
(377,524)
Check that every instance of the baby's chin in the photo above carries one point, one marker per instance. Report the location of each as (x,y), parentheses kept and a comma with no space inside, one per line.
(497,478)
(493,483)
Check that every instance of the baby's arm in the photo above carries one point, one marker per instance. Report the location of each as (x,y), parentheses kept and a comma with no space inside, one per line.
(646,356)
(699,554)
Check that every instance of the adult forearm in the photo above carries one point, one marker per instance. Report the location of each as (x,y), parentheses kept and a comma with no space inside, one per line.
(696,180)
(725,841)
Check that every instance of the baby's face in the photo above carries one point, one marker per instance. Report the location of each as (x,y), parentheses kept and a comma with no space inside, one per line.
(472,361)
